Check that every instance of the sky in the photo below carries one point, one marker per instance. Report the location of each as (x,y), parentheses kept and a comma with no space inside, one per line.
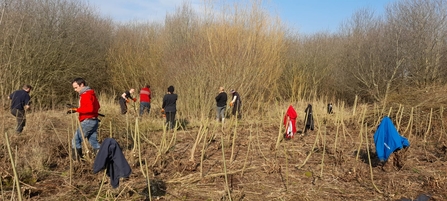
(305,16)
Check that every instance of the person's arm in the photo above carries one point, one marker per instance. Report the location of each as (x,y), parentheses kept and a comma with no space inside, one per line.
(234,99)
(27,102)
(124,95)
(164,102)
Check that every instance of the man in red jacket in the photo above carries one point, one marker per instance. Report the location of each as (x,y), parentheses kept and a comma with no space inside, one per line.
(88,116)
(145,100)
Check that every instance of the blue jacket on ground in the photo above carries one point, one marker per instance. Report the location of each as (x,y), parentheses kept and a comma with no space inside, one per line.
(111,157)
(388,140)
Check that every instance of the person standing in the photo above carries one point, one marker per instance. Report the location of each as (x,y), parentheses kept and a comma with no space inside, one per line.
(124,99)
(169,107)
(20,102)
(221,102)
(329,108)
(145,99)
(236,103)
(88,118)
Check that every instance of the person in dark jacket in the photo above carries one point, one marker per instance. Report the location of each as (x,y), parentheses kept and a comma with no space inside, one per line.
(20,102)
(309,120)
(169,107)
(111,157)
(221,102)
(236,103)
(125,98)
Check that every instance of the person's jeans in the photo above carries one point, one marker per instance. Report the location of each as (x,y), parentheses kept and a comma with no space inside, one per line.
(145,106)
(20,117)
(220,113)
(89,128)
(170,119)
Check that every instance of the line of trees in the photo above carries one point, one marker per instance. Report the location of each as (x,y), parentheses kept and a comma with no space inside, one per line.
(378,58)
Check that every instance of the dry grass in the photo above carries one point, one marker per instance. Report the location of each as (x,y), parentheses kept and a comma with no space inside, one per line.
(330,163)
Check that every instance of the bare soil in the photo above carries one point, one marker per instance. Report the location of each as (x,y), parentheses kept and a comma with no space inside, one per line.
(308,167)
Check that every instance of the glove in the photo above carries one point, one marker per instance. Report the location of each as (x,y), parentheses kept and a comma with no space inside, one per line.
(72,110)
(163,114)
(134,99)
(127,101)
(231,104)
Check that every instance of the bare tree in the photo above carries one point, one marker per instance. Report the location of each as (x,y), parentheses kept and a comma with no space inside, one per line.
(422,26)
(48,43)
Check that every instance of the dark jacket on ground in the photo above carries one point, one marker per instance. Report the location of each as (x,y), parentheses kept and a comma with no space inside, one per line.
(309,121)
(111,157)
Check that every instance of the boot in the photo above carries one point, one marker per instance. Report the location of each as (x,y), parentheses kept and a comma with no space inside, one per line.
(76,154)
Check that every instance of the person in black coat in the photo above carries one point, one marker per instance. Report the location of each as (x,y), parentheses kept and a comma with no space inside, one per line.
(20,102)
(169,106)
(221,102)
(236,102)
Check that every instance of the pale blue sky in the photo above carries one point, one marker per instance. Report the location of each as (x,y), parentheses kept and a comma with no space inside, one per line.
(306,16)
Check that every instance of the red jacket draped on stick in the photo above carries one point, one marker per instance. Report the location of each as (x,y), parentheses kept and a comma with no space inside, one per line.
(290,122)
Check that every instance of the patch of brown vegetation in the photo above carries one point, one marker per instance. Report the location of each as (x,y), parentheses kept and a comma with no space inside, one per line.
(297,170)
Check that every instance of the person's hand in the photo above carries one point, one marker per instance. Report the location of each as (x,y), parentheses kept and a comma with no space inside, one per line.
(134,99)
(72,110)
(127,101)
(231,104)
(26,107)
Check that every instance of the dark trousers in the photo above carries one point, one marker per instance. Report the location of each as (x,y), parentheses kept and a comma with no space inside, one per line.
(21,119)
(123,105)
(170,119)
(237,110)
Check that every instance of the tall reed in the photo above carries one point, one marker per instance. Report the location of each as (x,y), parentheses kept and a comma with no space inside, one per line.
(16,176)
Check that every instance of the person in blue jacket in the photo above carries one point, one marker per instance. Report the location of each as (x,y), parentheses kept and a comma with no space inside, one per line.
(20,102)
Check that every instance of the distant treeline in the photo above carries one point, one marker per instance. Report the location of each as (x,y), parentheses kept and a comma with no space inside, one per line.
(378,58)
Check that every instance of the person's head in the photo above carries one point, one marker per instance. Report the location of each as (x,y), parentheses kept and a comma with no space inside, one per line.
(171,89)
(78,84)
(147,86)
(232,91)
(131,91)
(221,89)
(27,87)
